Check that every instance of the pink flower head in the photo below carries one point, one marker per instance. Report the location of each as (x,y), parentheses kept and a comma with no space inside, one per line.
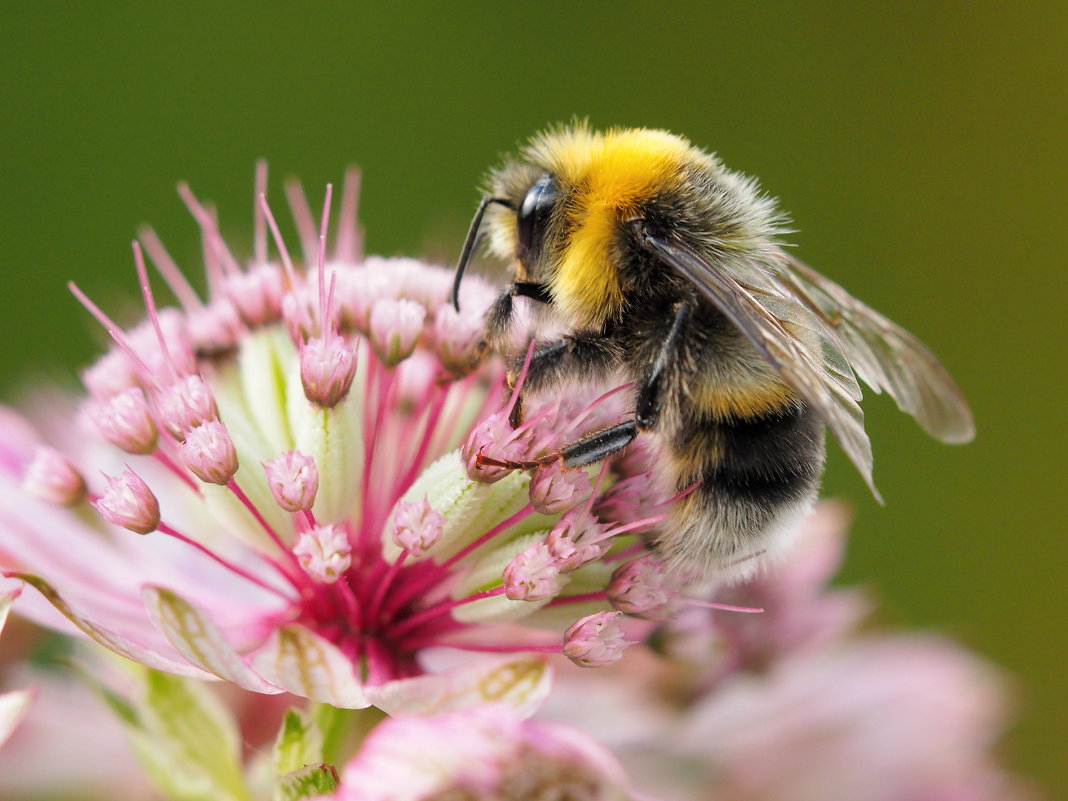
(554,490)
(417,527)
(377,558)
(327,367)
(293,480)
(125,421)
(51,477)
(395,325)
(596,640)
(324,552)
(185,404)
(128,502)
(209,453)
(643,587)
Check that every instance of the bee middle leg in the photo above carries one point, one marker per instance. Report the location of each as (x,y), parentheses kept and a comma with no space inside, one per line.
(602,444)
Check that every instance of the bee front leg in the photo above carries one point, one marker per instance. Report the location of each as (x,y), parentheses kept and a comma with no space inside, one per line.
(588,355)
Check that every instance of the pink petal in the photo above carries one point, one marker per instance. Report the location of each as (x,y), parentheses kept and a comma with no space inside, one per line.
(522,683)
(200,641)
(137,651)
(305,664)
(13,708)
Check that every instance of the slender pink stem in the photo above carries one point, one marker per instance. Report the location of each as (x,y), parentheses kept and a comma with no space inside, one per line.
(171,465)
(283,252)
(384,585)
(150,306)
(490,649)
(749,610)
(302,215)
(240,571)
(440,609)
(169,269)
(267,527)
(347,247)
(259,247)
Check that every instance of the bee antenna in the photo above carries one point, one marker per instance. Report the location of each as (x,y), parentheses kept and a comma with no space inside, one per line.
(470,243)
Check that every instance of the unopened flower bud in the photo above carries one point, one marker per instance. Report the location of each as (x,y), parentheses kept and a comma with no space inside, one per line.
(297,315)
(596,640)
(128,502)
(51,477)
(110,375)
(214,329)
(395,326)
(184,405)
(209,453)
(327,367)
(533,575)
(125,421)
(457,338)
(417,527)
(576,540)
(643,587)
(492,436)
(293,480)
(324,552)
(554,489)
(256,294)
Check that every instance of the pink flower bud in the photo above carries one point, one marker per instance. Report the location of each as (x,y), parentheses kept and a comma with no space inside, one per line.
(327,367)
(493,436)
(185,404)
(209,453)
(51,477)
(125,421)
(457,338)
(179,356)
(635,498)
(554,490)
(293,480)
(417,527)
(395,326)
(324,552)
(533,575)
(576,540)
(596,640)
(110,375)
(360,290)
(128,502)
(297,314)
(256,294)
(643,587)
(214,329)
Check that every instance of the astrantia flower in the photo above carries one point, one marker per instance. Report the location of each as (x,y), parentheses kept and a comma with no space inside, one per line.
(296,485)
(482,753)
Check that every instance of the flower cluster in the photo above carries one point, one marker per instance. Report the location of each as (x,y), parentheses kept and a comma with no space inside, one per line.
(301,484)
(308,454)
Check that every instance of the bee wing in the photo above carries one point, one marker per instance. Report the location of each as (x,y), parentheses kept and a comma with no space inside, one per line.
(884,355)
(781,328)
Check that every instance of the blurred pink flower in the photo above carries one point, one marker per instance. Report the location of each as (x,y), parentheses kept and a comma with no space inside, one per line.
(286,458)
(794,704)
(484,752)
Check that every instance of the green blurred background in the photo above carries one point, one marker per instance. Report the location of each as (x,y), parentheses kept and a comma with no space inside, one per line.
(919,147)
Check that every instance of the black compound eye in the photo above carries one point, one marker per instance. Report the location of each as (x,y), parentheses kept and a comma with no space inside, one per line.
(532,221)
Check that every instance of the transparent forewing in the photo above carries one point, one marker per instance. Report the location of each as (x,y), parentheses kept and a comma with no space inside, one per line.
(885,356)
(795,341)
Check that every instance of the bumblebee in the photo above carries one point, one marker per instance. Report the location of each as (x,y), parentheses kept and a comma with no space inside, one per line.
(661,263)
